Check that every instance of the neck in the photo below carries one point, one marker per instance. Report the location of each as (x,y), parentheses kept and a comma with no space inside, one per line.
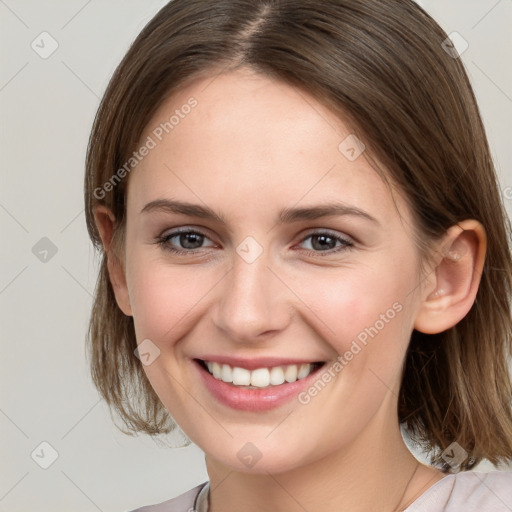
(376,472)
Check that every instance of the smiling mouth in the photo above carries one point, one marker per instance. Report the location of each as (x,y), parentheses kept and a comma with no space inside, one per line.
(260,377)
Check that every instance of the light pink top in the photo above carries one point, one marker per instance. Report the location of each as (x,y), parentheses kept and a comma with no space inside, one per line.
(469,491)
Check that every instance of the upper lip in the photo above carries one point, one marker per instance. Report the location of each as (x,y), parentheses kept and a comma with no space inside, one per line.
(254,363)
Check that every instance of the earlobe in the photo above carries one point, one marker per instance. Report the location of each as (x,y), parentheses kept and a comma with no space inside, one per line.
(455,278)
(105,222)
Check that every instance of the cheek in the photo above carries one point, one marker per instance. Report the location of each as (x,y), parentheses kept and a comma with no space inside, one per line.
(164,297)
(365,315)
(355,305)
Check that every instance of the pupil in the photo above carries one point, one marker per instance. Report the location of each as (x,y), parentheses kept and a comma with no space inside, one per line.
(191,240)
(323,242)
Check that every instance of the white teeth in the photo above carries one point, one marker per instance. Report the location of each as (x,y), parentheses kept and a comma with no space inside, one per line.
(261,377)
(227,373)
(241,376)
(216,370)
(304,371)
(290,374)
(276,376)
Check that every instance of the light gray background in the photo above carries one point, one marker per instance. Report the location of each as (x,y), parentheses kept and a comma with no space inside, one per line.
(47,107)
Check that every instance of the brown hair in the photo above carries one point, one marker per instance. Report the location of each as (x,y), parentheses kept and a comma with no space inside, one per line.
(383,68)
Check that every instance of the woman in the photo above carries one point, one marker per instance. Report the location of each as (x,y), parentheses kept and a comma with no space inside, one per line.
(304,250)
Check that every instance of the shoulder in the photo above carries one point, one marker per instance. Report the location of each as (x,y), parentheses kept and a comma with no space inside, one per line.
(470,491)
(484,491)
(185,502)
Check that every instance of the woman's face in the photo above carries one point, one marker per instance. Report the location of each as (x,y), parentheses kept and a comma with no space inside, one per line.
(291,251)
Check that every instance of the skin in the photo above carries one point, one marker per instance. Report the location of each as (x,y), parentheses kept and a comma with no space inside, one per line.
(250,148)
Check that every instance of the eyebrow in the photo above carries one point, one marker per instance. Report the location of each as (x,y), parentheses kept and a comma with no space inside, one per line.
(287,215)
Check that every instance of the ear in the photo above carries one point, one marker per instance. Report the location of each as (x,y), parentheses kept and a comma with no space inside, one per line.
(105,222)
(452,286)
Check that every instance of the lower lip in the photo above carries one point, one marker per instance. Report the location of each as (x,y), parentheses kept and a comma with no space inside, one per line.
(262,399)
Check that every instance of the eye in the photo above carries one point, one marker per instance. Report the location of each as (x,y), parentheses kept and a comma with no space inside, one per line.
(184,241)
(188,241)
(326,242)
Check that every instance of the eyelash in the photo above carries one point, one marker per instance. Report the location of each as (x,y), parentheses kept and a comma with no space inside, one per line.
(163,242)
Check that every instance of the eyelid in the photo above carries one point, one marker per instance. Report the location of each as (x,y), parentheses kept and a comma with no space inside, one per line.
(170,232)
(327,231)
(347,240)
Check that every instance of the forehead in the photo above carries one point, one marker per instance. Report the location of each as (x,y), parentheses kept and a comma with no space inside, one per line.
(244,135)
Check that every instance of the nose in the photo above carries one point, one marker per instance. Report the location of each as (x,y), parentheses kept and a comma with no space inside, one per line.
(254,303)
